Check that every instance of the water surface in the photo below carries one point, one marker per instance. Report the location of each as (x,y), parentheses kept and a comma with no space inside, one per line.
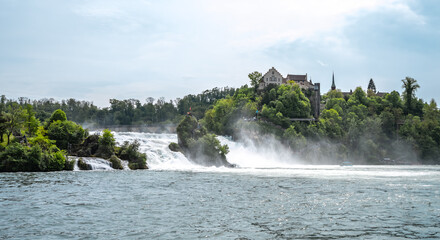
(303,202)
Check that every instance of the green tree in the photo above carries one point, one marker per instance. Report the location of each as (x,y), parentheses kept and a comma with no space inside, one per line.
(58,115)
(410,86)
(66,134)
(130,152)
(3,126)
(15,117)
(255,78)
(31,122)
(107,144)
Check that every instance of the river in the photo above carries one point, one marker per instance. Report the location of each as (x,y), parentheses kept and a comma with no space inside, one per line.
(179,200)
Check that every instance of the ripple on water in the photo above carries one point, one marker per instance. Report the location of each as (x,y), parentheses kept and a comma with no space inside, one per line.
(301,203)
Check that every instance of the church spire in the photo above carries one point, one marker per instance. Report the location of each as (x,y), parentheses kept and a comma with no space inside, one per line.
(333,82)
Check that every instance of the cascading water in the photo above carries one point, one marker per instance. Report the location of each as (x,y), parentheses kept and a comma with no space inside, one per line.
(247,154)
(96,163)
(155,145)
(244,155)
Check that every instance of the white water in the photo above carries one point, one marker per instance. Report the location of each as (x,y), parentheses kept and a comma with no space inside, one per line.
(244,155)
(159,156)
(271,155)
(97,163)
(270,160)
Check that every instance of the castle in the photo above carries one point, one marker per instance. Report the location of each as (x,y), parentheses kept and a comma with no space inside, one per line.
(274,77)
(312,90)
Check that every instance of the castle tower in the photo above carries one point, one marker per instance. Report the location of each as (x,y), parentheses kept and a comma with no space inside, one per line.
(372,86)
(333,82)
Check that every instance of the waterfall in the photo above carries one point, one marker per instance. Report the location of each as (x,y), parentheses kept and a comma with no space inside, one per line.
(244,154)
(247,154)
(155,145)
(96,163)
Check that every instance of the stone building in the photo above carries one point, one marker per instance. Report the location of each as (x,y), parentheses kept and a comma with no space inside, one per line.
(271,77)
(312,91)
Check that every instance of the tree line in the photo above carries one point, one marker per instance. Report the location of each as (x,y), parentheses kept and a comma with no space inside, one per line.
(121,112)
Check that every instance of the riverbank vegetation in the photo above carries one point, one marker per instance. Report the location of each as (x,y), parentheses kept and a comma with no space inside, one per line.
(28,145)
(361,127)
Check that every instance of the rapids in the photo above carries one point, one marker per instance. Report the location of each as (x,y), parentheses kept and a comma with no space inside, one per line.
(244,155)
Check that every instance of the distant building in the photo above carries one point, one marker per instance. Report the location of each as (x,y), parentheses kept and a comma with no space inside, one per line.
(274,77)
(271,77)
(333,82)
(371,86)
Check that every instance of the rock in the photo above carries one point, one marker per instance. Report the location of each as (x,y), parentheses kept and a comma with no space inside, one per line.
(198,146)
(82,165)
(174,147)
(116,162)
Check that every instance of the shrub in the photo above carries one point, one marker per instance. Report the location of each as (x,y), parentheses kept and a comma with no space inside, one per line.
(106,144)
(130,152)
(69,164)
(55,159)
(14,158)
(65,133)
(89,147)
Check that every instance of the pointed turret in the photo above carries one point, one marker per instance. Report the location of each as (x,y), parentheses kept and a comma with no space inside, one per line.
(333,82)
(371,86)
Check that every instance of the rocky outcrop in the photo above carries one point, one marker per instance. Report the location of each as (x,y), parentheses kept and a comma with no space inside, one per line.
(199,146)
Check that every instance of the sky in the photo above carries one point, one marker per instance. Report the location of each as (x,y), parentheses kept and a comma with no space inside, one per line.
(96,50)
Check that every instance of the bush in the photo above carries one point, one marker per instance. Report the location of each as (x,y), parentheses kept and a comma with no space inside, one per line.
(106,145)
(69,165)
(57,161)
(17,157)
(116,162)
(89,147)
(66,133)
(14,158)
(130,152)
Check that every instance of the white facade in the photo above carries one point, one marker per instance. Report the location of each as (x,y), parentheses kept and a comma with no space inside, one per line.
(271,77)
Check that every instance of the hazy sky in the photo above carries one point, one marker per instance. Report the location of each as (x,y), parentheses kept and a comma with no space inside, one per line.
(100,49)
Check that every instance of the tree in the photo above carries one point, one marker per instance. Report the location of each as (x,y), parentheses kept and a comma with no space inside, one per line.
(3,125)
(106,144)
(15,118)
(410,87)
(58,115)
(66,133)
(371,86)
(255,79)
(31,122)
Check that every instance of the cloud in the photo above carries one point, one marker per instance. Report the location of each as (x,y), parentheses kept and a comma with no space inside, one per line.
(188,45)
(322,63)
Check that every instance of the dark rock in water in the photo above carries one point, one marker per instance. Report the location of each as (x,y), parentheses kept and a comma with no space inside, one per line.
(174,147)
(116,162)
(83,165)
(198,146)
